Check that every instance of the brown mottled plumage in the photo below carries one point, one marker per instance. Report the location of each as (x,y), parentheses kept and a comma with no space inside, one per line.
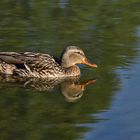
(42,65)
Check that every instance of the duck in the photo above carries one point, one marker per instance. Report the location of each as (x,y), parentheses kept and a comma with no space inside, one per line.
(42,65)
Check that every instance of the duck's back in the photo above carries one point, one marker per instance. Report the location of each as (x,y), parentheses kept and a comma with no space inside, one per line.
(29,64)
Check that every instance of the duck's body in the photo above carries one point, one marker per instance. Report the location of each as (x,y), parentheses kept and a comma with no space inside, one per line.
(30,64)
(42,65)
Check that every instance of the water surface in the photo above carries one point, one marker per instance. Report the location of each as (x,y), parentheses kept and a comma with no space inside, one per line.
(109,34)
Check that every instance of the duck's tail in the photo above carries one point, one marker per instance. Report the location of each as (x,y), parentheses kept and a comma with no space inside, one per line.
(7,68)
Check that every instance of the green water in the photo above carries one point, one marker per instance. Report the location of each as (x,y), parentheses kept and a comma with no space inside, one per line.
(109,34)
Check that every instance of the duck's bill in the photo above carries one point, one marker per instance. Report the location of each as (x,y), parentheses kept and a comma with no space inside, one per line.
(86,62)
(88,82)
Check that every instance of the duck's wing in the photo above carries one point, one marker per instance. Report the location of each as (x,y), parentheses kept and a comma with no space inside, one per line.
(29,60)
(41,61)
(11,57)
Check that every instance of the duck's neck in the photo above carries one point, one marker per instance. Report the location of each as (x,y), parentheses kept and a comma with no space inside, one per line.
(72,71)
(70,68)
(65,62)
(67,59)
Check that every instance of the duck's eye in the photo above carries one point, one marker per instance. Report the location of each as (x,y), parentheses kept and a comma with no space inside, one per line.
(79,53)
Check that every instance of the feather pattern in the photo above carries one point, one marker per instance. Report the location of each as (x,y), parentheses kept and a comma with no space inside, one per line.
(29,64)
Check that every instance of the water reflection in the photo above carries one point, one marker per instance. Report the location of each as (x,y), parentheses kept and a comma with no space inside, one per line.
(30,112)
(73,91)
(70,88)
(107,30)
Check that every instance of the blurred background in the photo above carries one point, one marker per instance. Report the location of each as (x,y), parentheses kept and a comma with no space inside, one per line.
(109,34)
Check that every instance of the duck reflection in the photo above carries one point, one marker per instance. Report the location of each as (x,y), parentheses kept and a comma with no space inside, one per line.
(71,88)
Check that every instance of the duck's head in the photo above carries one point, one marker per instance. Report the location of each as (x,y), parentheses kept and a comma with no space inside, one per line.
(73,55)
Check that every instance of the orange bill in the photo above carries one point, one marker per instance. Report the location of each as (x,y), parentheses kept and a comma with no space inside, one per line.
(86,62)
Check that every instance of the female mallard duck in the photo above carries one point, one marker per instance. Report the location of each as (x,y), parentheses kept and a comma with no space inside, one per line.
(42,65)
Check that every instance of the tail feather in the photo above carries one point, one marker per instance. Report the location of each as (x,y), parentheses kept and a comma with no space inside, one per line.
(7,68)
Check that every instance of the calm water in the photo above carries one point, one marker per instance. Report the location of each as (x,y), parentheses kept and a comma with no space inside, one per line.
(108,108)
